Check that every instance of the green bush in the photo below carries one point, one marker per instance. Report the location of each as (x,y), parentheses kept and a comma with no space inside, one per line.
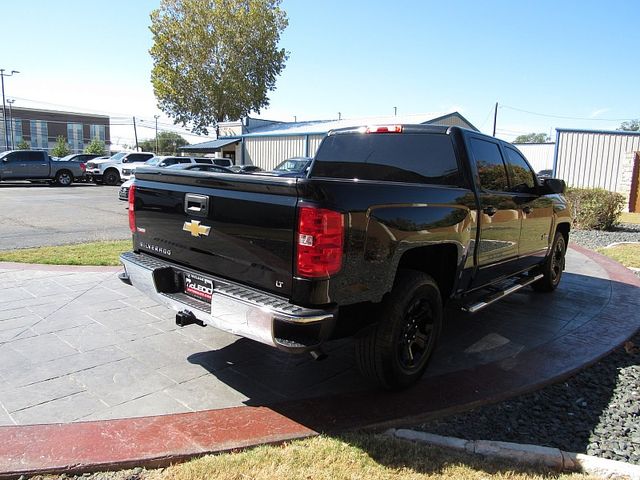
(594,208)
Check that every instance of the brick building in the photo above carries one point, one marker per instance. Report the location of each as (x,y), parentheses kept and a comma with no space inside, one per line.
(40,128)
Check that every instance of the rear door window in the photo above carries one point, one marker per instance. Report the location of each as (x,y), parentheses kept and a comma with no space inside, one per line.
(491,168)
(393,157)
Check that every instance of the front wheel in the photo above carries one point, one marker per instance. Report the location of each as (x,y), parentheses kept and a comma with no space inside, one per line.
(396,351)
(553,266)
(64,178)
(111,177)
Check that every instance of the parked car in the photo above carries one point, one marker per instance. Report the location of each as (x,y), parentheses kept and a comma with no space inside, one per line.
(245,168)
(221,162)
(542,174)
(109,171)
(291,167)
(439,216)
(198,164)
(38,165)
(162,161)
(201,167)
(80,157)
(123,192)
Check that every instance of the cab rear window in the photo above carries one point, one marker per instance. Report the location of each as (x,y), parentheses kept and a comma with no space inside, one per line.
(411,158)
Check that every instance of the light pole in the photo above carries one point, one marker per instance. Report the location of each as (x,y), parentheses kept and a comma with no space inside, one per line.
(4,109)
(156,117)
(10,101)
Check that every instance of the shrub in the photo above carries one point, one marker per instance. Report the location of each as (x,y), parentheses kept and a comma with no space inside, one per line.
(595,208)
(61,149)
(96,146)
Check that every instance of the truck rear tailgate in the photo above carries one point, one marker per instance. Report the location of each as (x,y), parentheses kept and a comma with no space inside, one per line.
(239,227)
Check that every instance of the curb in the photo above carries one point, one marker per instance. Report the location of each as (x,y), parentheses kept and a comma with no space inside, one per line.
(526,454)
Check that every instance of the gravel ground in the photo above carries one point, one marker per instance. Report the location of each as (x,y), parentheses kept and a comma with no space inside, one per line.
(594,239)
(596,411)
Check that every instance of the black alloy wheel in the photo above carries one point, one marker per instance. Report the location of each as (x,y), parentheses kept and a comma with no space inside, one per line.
(553,265)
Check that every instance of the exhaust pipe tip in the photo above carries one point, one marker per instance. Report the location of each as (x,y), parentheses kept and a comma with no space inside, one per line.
(318,355)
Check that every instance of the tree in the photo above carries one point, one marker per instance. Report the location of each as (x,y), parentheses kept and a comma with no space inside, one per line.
(61,148)
(168,143)
(23,145)
(215,60)
(532,138)
(96,146)
(630,126)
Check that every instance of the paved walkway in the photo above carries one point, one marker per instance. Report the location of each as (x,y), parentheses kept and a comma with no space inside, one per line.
(77,345)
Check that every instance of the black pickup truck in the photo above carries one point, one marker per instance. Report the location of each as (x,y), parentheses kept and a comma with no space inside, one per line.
(38,165)
(389,223)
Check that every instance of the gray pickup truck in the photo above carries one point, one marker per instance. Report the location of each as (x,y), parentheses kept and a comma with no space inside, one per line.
(38,165)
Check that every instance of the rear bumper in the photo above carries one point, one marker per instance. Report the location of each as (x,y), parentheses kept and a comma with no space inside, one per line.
(234,308)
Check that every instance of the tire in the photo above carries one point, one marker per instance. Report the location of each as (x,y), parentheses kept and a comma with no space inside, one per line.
(64,178)
(553,266)
(111,177)
(395,352)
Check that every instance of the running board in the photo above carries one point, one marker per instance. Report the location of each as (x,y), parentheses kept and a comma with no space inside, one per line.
(494,297)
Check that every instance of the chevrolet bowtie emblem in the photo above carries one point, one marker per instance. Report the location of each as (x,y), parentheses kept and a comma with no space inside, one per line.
(195,228)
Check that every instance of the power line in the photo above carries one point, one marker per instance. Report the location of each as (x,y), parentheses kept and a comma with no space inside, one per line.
(566,117)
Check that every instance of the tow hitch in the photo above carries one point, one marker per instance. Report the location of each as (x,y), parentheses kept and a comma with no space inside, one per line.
(186,317)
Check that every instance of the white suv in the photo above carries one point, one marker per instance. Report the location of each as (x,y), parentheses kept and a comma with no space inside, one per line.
(109,171)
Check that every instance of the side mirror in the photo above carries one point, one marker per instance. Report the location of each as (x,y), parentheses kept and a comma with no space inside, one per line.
(553,185)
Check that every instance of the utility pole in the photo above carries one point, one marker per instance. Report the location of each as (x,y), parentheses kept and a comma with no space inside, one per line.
(4,109)
(339,115)
(395,111)
(495,119)
(135,132)
(156,117)
(11,137)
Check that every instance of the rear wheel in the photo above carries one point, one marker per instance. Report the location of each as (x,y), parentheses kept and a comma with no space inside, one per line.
(111,177)
(553,266)
(396,351)
(64,178)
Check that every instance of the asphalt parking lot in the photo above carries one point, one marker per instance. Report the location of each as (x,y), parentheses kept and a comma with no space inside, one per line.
(34,215)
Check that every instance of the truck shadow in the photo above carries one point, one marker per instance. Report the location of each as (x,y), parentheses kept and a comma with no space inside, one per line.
(521,344)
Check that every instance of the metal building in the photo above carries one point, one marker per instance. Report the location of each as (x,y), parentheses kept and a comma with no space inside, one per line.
(540,155)
(600,159)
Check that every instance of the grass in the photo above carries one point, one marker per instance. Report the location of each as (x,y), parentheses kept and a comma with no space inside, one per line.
(626,254)
(356,456)
(96,253)
(626,217)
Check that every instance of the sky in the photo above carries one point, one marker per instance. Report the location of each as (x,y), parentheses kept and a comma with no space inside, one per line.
(548,64)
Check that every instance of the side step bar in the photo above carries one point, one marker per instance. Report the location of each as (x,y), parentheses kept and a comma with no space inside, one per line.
(494,297)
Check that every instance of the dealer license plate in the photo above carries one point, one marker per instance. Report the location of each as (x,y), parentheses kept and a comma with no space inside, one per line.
(198,287)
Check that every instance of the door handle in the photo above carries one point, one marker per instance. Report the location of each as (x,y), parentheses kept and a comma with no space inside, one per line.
(196,205)
(490,210)
(527,209)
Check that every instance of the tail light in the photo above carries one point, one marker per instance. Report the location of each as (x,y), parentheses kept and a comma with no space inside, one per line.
(83,167)
(132,212)
(320,242)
